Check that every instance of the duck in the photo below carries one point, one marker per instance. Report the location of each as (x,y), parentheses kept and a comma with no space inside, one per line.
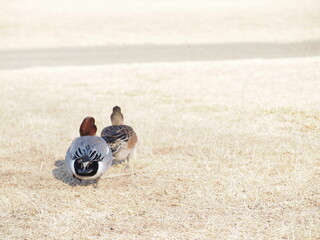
(88,156)
(121,138)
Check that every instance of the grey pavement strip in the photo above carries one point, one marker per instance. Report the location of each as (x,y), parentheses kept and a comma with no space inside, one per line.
(113,54)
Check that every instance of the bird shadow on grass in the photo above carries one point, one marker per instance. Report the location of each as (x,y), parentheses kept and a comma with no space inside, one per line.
(61,173)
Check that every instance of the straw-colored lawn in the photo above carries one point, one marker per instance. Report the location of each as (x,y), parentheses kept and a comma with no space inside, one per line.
(74,23)
(228,150)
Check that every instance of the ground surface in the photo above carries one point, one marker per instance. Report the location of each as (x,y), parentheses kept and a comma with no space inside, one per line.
(228,145)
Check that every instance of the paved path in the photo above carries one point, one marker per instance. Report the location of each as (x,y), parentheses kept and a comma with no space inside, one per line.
(17,59)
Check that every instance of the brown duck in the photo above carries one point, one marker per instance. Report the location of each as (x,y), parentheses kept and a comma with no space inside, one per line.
(121,138)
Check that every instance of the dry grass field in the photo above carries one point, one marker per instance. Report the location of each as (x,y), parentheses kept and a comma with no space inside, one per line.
(228,149)
(43,23)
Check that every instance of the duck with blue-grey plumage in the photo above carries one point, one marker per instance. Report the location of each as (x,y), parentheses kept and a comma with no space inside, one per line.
(88,156)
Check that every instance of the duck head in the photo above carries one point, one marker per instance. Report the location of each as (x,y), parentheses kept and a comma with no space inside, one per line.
(88,127)
(116,116)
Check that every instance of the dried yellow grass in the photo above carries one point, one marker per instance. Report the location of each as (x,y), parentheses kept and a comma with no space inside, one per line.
(49,24)
(227,150)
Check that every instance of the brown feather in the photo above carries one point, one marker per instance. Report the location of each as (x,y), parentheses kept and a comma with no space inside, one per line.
(116,116)
(88,127)
(132,141)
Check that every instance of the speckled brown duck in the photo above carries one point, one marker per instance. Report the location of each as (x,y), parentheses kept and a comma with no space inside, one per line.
(121,138)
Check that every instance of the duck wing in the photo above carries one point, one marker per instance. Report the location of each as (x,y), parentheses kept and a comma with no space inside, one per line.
(91,148)
(88,157)
(116,135)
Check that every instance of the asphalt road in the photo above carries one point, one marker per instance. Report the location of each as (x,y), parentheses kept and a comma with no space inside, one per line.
(101,55)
